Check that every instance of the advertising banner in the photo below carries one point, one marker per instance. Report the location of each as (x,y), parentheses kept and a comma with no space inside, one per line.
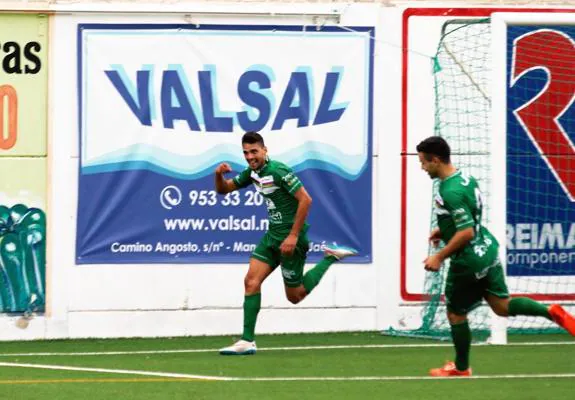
(160,106)
(541,154)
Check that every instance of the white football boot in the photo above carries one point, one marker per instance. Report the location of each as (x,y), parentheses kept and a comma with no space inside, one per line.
(339,252)
(240,348)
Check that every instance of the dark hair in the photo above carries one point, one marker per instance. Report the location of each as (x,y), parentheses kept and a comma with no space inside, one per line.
(253,138)
(435,146)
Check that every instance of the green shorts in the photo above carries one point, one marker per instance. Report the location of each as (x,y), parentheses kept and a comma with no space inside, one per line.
(268,251)
(465,290)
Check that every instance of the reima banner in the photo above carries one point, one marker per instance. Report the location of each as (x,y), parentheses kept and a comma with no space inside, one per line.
(160,106)
(541,153)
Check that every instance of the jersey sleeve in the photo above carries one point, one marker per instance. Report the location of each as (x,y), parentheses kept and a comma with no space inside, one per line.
(243,179)
(459,210)
(287,179)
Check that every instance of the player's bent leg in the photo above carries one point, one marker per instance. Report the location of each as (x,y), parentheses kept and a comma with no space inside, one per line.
(298,285)
(527,306)
(258,271)
(497,295)
(562,318)
(292,271)
(312,277)
(506,307)
(333,253)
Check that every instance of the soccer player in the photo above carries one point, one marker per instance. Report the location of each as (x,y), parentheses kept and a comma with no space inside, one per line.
(285,243)
(475,272)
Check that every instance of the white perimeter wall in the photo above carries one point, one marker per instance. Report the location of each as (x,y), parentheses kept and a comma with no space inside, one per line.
(173,300)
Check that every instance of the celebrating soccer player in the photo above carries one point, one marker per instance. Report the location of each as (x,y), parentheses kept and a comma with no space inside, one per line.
(284,244)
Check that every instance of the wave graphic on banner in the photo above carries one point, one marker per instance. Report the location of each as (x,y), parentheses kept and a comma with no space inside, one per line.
(151,158)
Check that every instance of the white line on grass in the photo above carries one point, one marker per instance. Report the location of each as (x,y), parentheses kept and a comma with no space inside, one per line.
(117,371)
(286,378)
(285,348)
(402,378)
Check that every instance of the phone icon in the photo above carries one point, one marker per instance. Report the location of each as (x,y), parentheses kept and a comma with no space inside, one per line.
(170,197)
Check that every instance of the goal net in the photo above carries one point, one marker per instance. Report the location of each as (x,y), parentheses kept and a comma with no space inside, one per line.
(540,245)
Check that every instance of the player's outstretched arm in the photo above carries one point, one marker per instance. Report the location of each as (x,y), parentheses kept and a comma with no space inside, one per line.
(224,185)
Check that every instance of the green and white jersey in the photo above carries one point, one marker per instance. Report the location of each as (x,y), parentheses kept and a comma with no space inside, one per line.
(277,183)
(458,206)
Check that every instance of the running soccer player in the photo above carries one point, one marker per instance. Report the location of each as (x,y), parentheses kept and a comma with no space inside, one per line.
(475,272)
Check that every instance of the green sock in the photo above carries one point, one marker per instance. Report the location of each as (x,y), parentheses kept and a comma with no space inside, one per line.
(252,304)
(526,306)
(461,335)
(314,275)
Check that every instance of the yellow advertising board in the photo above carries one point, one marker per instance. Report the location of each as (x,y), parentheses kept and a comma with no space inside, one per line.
(23,124)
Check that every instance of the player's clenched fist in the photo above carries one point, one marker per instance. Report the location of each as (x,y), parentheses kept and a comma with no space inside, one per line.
(223,168)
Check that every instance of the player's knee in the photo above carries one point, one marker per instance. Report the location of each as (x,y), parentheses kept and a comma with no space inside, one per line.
(294,298)
(455,319)
(251,285)
(499,306)
(500,311)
